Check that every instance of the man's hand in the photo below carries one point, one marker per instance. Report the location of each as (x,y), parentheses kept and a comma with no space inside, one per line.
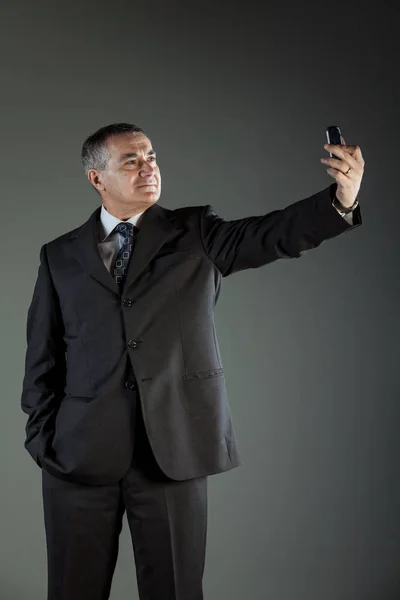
(347,185)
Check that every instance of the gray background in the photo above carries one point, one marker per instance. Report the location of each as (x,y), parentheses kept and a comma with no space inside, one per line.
(236,99)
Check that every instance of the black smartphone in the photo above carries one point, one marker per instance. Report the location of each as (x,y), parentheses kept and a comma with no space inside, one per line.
(333,134)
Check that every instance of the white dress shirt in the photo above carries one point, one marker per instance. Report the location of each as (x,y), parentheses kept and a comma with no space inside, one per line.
(109,243)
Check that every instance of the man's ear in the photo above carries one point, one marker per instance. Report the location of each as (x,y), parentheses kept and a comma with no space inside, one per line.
(95,178)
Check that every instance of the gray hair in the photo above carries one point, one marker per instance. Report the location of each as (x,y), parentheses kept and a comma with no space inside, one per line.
(95,153)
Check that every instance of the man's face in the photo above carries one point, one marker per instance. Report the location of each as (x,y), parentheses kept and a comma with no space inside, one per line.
(132,178)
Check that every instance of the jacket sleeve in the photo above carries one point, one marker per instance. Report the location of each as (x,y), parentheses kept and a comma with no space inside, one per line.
(286,233)
(45,359)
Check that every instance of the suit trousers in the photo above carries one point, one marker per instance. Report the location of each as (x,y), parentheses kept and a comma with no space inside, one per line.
(167,521)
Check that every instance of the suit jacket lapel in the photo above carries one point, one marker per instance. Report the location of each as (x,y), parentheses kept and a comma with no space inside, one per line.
(157,227)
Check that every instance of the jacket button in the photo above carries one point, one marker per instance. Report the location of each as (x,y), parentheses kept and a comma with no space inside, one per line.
(132,343)
(127,302)
(130,385)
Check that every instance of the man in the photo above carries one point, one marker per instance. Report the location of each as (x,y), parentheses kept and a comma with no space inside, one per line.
(124,384)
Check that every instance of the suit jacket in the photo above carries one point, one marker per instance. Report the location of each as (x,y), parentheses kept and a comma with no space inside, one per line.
(83,334)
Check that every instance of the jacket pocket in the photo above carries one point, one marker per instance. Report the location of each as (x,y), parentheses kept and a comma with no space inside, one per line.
(172,258)
(204,374)
(78,394)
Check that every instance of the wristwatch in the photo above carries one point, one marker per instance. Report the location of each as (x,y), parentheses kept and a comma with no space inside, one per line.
(344,210)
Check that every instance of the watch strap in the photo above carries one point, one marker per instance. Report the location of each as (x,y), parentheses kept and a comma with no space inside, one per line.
(344,210)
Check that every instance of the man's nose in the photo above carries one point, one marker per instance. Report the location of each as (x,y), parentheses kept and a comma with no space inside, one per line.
(146,168)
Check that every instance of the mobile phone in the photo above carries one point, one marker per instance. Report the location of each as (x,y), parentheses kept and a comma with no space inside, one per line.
(333,134)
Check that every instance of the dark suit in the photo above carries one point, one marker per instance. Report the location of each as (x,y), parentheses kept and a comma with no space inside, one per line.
(88,344)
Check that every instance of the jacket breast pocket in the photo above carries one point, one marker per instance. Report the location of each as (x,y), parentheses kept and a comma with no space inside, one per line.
(173,258)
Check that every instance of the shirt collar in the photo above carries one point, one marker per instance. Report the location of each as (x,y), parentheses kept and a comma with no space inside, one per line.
(109,222)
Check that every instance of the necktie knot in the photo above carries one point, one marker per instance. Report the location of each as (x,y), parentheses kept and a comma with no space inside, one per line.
(125,229)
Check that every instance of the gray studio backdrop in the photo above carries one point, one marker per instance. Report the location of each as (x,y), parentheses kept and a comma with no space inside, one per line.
(236,99)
